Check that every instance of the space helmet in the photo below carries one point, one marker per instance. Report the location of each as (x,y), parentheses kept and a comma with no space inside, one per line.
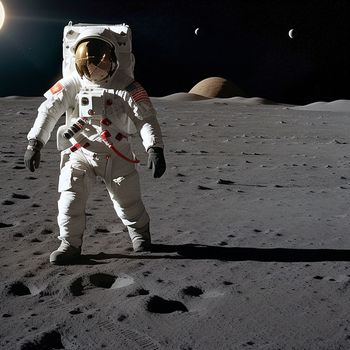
(95,59)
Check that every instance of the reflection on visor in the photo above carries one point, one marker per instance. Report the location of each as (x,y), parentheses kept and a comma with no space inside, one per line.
(97,70)
(95,59)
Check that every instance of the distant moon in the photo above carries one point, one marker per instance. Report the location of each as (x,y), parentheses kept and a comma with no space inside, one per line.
(292,33)
(2,14)
(196,31)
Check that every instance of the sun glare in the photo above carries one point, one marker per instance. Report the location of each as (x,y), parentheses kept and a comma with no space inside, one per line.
(2,15)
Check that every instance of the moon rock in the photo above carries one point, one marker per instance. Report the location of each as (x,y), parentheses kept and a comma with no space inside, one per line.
(216,87)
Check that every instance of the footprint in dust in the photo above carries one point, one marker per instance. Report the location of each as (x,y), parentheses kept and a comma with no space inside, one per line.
(97,280)
(158,305)
(45,340)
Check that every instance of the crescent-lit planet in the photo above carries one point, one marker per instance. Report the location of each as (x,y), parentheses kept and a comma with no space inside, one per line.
(292,33)
(2,14)
(196,31)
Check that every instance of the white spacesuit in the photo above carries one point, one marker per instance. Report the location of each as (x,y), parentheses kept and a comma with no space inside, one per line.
(104,105)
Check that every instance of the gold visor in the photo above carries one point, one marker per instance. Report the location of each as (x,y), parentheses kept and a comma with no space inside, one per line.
(95,59)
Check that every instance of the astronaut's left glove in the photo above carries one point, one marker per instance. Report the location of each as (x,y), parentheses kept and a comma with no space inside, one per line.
(156,161)
(32,155)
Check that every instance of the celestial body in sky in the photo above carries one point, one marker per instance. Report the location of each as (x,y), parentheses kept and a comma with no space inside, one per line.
(196,31)
(292,33)
(2,14)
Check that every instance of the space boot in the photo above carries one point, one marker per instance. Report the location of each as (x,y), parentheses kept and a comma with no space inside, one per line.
(65,254)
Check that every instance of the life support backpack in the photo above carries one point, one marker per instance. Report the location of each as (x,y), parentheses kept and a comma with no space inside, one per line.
(119,35)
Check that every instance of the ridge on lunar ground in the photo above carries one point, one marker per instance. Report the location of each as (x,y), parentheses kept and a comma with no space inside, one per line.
(250,225)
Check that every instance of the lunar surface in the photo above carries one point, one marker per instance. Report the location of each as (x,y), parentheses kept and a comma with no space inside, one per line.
(250,225)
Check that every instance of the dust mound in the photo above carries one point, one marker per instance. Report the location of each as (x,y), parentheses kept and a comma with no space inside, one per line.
(182,96)
(216,87)
(334,106)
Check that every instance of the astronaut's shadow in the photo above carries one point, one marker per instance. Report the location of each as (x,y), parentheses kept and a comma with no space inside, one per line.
(207,252)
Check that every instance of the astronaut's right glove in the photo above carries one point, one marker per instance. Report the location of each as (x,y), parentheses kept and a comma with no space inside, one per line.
(156,161)
(32,155)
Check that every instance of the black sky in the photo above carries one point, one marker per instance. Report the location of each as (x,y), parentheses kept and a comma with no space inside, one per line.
(244,41)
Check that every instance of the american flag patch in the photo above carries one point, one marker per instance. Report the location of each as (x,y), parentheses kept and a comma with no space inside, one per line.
(137,92)
(56,88)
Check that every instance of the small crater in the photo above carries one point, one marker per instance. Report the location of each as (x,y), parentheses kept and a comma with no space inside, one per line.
(3,225)
(20,196)
(227,283)
(76,311)
(121,318)
(200,187)
(102,280)
(225,182)
(192,291)
(46,231)
(250,343)
(138,292)
(18,289)
(101,230)
(47,340)
(159,305)
(7,202)
(38,253)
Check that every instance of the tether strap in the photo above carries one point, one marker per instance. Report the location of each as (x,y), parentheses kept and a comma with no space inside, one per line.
(104,135)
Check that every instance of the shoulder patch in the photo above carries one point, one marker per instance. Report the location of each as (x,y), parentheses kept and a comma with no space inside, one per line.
(137,92)
(56,88)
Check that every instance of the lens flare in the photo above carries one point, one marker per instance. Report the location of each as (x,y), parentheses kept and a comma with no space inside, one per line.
(2,14)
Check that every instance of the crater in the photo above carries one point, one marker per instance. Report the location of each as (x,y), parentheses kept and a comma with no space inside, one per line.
(192,291)
(158,305)
(18,289)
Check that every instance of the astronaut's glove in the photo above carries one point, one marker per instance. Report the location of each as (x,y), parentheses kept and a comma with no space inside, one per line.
(156,161)
(32,155)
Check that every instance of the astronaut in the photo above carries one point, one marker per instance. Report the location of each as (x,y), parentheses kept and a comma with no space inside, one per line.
(104,106)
